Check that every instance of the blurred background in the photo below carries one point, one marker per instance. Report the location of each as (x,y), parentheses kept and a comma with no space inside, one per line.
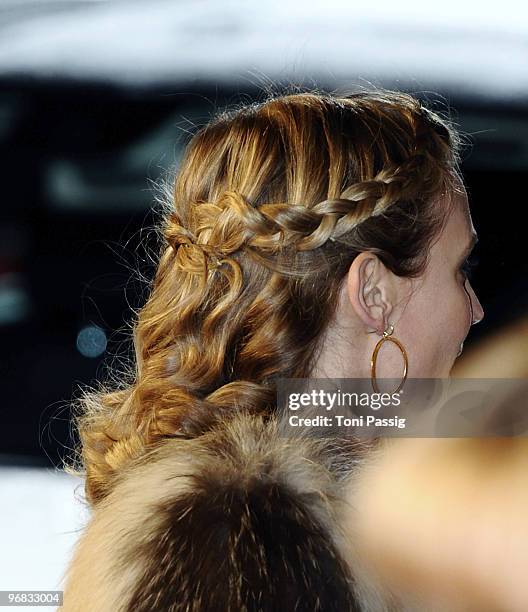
(97,101)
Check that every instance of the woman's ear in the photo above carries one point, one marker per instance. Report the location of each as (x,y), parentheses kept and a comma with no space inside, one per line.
(371,291)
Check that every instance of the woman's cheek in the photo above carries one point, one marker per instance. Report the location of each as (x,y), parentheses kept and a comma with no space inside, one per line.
(452,326)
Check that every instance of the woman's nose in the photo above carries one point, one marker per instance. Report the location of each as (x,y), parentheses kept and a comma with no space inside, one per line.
(476,306)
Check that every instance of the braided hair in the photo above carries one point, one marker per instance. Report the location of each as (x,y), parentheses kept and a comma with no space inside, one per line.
(271,204)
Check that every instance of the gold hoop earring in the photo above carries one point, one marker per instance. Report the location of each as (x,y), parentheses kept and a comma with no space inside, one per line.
(387,337)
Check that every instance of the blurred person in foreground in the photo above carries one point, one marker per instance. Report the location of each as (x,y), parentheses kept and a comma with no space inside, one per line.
(301,232)
(449,514)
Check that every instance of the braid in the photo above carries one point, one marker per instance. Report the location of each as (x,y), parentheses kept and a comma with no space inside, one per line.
(233,222)
(250,273)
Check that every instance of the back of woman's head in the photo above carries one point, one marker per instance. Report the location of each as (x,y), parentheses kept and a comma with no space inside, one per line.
(271,204)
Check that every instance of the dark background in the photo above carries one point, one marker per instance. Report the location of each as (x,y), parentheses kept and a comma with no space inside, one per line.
(80,161)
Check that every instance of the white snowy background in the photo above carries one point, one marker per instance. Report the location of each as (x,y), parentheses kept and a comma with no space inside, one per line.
(41,516)
(476,46)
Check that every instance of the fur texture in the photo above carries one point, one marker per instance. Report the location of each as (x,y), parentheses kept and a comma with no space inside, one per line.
(244,518)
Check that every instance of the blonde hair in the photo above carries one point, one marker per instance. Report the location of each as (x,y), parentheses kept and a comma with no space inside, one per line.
(271,204)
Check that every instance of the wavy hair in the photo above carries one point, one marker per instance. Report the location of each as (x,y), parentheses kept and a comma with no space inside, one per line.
(271,204)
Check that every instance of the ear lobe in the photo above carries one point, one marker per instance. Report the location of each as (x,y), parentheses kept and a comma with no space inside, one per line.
(367,291)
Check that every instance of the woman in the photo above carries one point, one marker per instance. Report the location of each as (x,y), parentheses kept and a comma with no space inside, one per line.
(301,232)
